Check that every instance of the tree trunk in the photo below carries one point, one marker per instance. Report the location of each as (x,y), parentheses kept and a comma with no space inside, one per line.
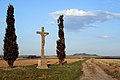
(10,63)
(60,62)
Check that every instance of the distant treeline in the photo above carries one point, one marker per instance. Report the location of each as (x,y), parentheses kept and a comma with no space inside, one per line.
(29,56)
(108,57)
(84,54)
(24,56)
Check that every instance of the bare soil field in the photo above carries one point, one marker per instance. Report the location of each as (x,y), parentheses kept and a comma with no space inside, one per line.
(94,69)
(34,61)
(110,66)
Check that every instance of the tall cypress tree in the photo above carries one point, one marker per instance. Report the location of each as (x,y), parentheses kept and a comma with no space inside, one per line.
(10,49)
(61,41)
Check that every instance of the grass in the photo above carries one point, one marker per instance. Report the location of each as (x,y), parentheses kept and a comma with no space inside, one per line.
(55,72)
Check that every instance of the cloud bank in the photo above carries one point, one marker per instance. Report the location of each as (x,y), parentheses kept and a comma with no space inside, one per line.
(77,20)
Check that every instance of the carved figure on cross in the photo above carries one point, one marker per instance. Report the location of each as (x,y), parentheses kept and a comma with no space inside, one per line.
(43,34)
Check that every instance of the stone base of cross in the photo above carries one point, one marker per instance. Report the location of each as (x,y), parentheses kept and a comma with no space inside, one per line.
(42,63)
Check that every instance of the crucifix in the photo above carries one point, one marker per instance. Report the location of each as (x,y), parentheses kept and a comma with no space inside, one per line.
(43,34)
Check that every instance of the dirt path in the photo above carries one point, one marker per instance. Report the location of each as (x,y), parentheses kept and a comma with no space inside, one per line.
(93,72)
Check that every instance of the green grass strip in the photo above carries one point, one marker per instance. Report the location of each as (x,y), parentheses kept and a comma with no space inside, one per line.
(55,72)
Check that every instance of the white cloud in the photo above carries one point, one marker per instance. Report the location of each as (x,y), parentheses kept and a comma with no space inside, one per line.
(104,37)
(73,12)
(52,22)
(77,20)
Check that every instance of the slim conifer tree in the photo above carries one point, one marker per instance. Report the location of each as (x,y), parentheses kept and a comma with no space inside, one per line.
(10,49)
(61,41)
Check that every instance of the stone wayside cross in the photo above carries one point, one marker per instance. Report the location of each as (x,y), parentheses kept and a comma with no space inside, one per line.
(42,64)
(43,34)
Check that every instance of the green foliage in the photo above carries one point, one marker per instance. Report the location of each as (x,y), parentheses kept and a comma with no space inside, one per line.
(55,72)
(10,45)
(61,41)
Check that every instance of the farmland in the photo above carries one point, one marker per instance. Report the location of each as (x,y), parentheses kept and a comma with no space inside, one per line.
(110,66)
(76,69)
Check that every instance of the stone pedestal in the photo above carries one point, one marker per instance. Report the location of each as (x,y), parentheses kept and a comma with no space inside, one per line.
(42,64)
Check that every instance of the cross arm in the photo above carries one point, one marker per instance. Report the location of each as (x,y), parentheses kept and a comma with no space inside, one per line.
(38,32)
(46,33)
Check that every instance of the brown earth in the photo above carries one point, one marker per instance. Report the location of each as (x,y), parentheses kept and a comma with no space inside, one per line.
(111,65)
(91,71)
(34,61)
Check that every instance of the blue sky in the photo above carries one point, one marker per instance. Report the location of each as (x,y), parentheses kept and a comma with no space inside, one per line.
(91,26)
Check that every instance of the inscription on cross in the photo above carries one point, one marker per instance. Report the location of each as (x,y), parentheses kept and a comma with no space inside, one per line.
(43,34)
